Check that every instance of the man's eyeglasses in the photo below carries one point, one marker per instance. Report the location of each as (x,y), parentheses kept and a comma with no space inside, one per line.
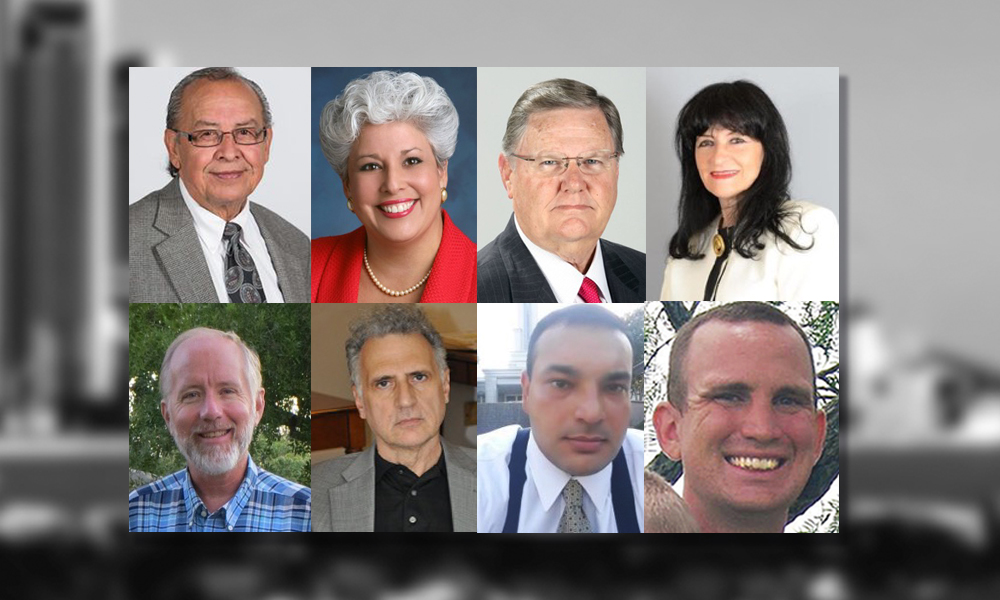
(206,138)
(591,163)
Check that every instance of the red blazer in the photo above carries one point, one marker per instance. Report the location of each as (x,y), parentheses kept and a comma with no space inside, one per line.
(337,264)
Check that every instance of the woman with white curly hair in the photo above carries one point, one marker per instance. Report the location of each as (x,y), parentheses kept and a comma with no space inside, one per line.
(389,136)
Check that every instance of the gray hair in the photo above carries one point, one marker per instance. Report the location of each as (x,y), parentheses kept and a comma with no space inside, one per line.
(559,93)
(387,97)
(251,361)
(211,74)
(390,319)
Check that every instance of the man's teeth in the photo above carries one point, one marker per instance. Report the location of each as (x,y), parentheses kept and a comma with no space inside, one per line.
(754,464)
(214,434)
(397,208)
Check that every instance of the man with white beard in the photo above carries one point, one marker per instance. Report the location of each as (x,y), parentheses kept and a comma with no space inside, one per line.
(212,400)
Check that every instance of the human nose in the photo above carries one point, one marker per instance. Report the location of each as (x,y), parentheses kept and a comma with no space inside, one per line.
(759,422)
(589,407)
(392,179)
(572,176)
(211,408)
(406,397)
(227,148)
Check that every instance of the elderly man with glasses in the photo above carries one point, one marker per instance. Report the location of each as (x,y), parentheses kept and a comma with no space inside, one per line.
(560,167)
(199,239)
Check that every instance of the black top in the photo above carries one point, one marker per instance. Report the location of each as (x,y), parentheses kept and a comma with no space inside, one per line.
(405,502)
(712,285)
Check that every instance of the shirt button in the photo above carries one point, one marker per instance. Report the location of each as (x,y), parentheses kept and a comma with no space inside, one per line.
(230,528)
(413,519)
(204,513)
(413,492)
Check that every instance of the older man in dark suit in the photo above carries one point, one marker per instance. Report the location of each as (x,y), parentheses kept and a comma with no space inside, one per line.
(199,239)
(560,167)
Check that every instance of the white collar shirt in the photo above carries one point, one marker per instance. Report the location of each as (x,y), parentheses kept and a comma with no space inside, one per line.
(542,504)
(563,277)
(209,228)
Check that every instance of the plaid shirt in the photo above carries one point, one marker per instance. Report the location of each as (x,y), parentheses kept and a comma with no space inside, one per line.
(263,502)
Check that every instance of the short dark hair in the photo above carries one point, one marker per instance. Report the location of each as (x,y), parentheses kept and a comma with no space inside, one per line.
(554,94)
(735,312)
(578,315)
(742,107)
(211,74)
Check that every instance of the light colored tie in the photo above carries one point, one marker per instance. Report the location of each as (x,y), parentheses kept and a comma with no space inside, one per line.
(573,520)
(589,291)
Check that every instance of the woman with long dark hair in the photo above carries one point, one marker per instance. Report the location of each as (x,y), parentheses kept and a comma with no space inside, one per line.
(740,235)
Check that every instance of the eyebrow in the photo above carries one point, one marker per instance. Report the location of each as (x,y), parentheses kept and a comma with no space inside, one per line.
(795,391)
(562,369)
(618,376)
(203,123)
(737,389)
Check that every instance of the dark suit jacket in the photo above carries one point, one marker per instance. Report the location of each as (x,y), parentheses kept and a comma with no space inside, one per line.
(166,264)
(506,271)
(344,490)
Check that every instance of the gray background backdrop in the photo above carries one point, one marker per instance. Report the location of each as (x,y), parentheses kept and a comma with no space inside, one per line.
(284,188)
(808,100)
(499,89)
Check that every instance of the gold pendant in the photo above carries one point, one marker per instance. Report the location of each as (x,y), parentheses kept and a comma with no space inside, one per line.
(718,244)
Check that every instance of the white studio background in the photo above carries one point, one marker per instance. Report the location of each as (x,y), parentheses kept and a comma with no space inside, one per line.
(285,185)
(499,89)
(806,97)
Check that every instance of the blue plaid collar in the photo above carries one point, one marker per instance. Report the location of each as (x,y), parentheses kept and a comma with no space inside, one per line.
(233,508)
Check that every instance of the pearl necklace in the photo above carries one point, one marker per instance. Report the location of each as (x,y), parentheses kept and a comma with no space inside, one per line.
(386,290)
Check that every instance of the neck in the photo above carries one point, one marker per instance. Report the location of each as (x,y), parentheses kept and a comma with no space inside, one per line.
(732,521)
(418,460)
(216,490)
(729,212)
(400,265)
(579,254)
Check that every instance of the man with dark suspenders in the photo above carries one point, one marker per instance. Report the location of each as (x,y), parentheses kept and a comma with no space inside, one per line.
(578,469)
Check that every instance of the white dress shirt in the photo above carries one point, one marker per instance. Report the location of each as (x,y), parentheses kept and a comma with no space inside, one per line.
(209,228)
(778,272)
(542,504)
(563,277)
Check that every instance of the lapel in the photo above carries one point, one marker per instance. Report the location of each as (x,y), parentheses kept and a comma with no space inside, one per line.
(622,282)
(280,254)
(180,253)
(352,503)
(527,282)
(461,479)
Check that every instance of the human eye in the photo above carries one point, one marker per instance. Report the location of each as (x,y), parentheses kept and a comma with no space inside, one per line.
(370,167)
(411,161)
(205,135)
(704,143)
(791,402)
(383,384)
(560,384)
(189,395)
(617,388)
(420,376)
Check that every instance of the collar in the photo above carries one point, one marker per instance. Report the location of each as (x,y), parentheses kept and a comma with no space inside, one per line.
(550,480)
(382,466)
(232,509)
(563,278)
(210,226)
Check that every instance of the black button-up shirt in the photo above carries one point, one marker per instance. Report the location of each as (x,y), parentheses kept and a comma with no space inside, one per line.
(405,502)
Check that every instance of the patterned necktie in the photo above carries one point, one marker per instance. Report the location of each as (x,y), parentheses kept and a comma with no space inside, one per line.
(589,291)
(573,519)
(242,279)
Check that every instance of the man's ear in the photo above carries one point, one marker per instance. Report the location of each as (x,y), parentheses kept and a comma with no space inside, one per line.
(165,412)
(258,406)
(820,435)
(170,141)
(506,170)
(358,402)
(525,386)
(666,422)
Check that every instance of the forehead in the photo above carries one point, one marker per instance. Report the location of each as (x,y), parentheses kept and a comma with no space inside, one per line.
(206,353)
(397,353)
(214,100)
(569,129)
(395,136)
(748,351)
(584,347)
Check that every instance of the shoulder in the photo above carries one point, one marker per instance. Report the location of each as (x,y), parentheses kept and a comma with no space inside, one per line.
(329,473)
(167,489)
(323,247)
(626,254)
(492,278)
(278,226)
(466,455)
(143,212)
(274,484)
(807,219)
(496,444)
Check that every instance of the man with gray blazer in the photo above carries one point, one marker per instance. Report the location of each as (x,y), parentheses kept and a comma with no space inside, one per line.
(199,239)
(411,479)
(559,166)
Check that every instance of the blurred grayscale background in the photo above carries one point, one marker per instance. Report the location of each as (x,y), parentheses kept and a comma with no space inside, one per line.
(919,206)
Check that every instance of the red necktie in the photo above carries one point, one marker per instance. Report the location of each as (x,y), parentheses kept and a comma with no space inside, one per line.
(589,292)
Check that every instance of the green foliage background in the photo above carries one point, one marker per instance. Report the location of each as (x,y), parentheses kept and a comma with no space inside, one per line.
(280,333)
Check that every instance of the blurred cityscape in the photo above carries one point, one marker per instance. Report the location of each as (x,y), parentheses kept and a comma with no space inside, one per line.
(921,421)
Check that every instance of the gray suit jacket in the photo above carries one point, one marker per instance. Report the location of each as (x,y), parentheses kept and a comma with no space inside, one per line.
(506,271)
(166,264)
(344,490)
